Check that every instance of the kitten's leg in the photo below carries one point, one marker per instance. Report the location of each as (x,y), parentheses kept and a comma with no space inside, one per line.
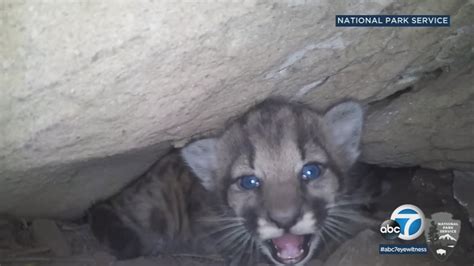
(111,230)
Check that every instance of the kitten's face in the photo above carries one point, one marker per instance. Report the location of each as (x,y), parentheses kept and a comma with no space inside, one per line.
(280,168)
(287,208)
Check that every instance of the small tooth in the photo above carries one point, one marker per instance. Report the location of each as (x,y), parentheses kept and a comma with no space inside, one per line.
(278,254)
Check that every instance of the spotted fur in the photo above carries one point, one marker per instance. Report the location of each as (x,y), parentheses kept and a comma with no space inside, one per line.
(192,198)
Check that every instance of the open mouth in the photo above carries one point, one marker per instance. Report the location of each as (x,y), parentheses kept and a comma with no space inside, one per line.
(290,248)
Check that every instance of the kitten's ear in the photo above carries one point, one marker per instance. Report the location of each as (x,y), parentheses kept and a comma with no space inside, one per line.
(201,156)
(342,127)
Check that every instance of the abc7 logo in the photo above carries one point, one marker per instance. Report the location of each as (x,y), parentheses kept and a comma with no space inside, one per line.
(390,229)
(407,223)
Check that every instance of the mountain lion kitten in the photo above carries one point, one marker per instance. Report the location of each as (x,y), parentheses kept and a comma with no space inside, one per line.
(277,181)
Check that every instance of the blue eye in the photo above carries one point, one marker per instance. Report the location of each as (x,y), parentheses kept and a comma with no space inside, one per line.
(249,182)
(310,171)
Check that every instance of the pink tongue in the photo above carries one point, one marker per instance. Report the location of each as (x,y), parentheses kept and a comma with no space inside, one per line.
(288,245)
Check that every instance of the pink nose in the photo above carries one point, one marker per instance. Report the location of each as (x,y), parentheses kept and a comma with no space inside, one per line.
(284,218)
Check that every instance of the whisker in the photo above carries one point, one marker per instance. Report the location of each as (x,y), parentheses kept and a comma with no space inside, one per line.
(252,250)
(331,234)
(233,235)
(346,203)
(335,228)
(339,225)
(238,248)
(336,231)
(343,218)
(348,213)
(325,242)
(241,240)
(224,228)
(354,217)
(345,212)
(344,209)
(336,221)
(217,219)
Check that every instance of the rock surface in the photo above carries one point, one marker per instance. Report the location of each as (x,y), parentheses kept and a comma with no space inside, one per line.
(93,92)
(463,187)
(47,234)
(431,125)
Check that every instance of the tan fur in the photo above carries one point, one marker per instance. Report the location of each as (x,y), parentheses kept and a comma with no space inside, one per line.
(157,206)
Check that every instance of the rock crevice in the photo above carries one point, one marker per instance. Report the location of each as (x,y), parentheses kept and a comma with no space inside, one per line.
(114,84)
